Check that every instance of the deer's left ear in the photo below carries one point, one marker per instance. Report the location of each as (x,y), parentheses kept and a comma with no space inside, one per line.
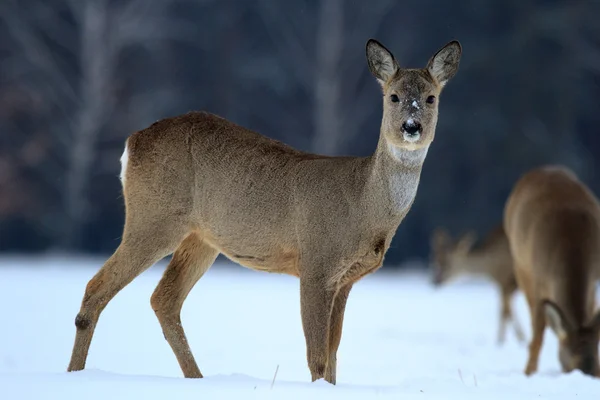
(444,64)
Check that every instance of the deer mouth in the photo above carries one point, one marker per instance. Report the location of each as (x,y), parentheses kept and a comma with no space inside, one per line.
(411,137)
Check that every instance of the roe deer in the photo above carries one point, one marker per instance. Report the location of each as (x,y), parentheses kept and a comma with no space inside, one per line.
(553,225)
(199,185)
(492,259)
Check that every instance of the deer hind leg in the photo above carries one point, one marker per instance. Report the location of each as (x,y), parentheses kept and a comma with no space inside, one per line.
(190,261)
(538,324)
(538,319)
(139,249)
(336,321)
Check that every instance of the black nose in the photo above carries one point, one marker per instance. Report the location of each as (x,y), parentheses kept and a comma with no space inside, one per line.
(411,127)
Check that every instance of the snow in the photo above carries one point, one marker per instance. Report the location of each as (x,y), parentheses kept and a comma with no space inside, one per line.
(402,339)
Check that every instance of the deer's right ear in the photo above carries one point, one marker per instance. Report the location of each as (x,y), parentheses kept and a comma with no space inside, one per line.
(382,63)
(439,238)
(556,320)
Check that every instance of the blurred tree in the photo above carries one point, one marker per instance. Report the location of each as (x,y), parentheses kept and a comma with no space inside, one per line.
(322,45)
(69,53)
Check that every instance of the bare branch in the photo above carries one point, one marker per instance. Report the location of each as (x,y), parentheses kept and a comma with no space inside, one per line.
(35,51)
(289,43)
(328,81)
(367,24)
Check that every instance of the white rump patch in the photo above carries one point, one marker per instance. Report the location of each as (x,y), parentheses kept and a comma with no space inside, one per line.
(124,161)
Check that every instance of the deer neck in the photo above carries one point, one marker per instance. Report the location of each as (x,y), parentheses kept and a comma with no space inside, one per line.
(395,174)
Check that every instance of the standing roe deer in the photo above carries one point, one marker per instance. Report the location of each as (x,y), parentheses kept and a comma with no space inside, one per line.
(492,259)
(553,225)
(200,185)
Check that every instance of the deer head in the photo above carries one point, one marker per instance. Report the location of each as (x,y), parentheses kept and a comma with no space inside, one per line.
(578,346)
(447,257)
(410,96)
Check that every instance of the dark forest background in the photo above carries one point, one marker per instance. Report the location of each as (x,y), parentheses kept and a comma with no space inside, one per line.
(78,76)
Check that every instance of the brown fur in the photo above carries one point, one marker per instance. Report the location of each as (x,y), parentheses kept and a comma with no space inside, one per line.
(492,259)
(553,225)
(200,185)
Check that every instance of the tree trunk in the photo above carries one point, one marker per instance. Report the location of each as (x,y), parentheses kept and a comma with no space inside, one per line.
(94,85)
(330,41)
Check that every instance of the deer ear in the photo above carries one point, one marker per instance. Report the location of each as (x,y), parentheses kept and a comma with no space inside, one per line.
(466,242)
(381,61)
(444,64)
(556,320)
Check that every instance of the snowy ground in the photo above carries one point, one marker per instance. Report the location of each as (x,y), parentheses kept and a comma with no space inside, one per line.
(402,340)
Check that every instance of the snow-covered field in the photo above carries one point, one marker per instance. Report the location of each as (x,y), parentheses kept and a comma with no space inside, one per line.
(402,339)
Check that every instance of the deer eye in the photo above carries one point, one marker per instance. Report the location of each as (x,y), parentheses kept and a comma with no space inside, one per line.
(430,100)
(394,98)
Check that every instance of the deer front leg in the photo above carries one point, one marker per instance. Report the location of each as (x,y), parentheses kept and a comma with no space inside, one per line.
(517,327)
(336,321)
(316,300)
(505,314)
(508,294)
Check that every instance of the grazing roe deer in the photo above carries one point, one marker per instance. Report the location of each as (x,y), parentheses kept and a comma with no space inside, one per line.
(200,185)
(491,259)
(553,225)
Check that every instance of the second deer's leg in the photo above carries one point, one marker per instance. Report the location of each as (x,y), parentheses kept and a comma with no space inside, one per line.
(522,284)
(538,324)
(505,314)
(518,329)
(316,300)
(190,261)
(138,250)
(336,321)
(513,318)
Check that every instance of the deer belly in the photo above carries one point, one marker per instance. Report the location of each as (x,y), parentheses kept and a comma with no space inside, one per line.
(280,262)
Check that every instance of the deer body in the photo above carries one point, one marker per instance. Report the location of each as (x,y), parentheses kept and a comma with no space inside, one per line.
(286,219)
(553,224)
(492,260)
(199,185)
